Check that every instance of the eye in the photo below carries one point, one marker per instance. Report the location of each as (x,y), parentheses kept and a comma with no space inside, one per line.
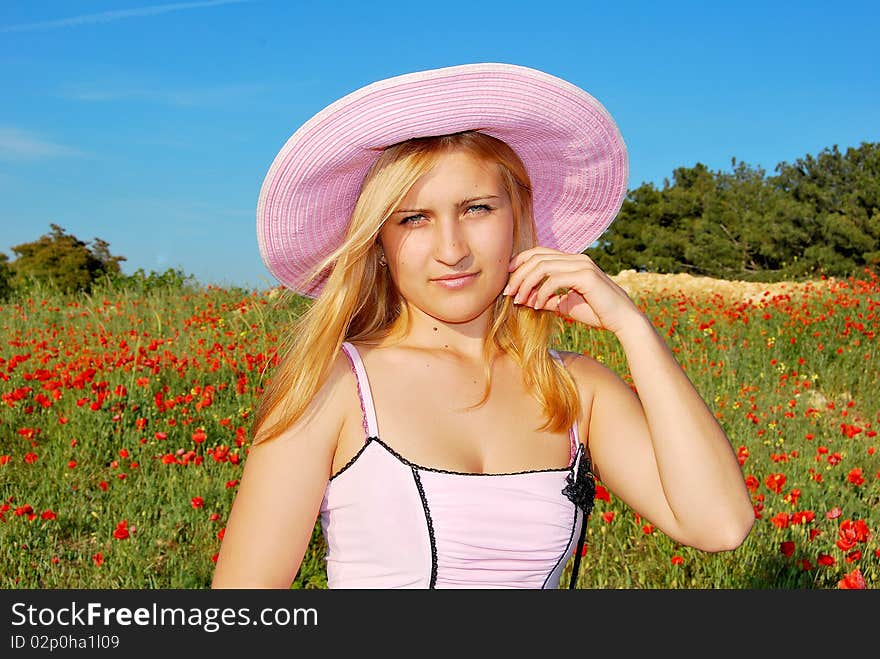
(480,206)
(411,219)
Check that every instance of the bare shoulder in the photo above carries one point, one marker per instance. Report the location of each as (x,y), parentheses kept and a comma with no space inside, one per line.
(282,486)
(323,418)
(604,395)
(589,373)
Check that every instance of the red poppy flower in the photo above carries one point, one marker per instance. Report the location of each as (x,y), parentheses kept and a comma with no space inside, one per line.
(793,496)
(774,482)
(677,560)
(826,560)
(780,520)
(853,556)
(850,431)
(98,559)
(856,529)
(787,548)
(855,476)
(803,517)
(121,532)
(852,581)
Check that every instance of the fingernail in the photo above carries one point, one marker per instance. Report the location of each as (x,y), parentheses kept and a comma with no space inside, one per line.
(506,290)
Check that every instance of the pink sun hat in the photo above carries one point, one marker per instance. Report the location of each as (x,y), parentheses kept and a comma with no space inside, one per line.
(570,145)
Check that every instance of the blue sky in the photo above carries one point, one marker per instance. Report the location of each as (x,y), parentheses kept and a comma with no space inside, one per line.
(151,125)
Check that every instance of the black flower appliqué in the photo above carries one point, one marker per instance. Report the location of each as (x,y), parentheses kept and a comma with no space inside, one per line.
(581,486)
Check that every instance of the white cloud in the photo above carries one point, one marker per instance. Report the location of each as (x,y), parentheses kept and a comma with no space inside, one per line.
(109,16)
(17,145)
(206,96)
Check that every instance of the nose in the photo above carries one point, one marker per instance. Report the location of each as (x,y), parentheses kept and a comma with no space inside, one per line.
(450,242)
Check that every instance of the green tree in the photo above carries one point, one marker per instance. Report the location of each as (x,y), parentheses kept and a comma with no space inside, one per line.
(6,275)
(820,215)
(63,260)
(840,197)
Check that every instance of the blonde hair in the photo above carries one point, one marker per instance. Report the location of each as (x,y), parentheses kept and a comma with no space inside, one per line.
(359,302)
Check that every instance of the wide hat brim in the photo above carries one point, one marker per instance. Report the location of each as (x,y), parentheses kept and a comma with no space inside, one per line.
(570,145)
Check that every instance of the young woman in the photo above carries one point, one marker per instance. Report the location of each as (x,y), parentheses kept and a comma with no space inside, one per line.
(438,220)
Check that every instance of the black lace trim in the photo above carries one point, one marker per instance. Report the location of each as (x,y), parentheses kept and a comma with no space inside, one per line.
(352,461)
(409,463)
(433,582)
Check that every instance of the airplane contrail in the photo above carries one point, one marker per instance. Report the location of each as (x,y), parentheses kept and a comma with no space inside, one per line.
(108,16)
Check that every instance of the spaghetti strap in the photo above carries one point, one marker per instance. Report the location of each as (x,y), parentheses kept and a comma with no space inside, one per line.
(573,430)
(371,426)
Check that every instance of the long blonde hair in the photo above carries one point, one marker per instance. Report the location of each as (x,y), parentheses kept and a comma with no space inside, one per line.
(359,302)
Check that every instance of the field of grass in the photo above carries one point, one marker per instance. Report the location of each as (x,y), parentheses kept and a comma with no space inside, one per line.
(124,416)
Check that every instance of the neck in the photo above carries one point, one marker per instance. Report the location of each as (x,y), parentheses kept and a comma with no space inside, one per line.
(464,340)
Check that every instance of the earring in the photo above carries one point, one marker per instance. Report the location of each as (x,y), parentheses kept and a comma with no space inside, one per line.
(382,261)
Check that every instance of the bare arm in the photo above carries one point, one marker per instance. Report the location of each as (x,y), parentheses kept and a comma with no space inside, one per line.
(662,450)
(282,485)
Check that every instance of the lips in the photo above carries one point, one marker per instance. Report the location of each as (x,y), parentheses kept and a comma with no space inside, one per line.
(456,276)
(456,282)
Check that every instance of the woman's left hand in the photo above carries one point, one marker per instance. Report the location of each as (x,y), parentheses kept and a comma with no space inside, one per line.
(592,297)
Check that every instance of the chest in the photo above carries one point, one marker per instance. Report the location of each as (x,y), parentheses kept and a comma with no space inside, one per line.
(426,410)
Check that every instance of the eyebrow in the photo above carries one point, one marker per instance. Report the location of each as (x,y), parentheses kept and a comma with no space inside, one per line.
(460,204)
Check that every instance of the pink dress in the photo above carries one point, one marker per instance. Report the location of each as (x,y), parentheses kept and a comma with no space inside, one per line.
(390,523)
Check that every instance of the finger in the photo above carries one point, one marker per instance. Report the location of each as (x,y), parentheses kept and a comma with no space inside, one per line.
(530,276)
(549,288)
(526,277)
(518,259)
(524,267)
